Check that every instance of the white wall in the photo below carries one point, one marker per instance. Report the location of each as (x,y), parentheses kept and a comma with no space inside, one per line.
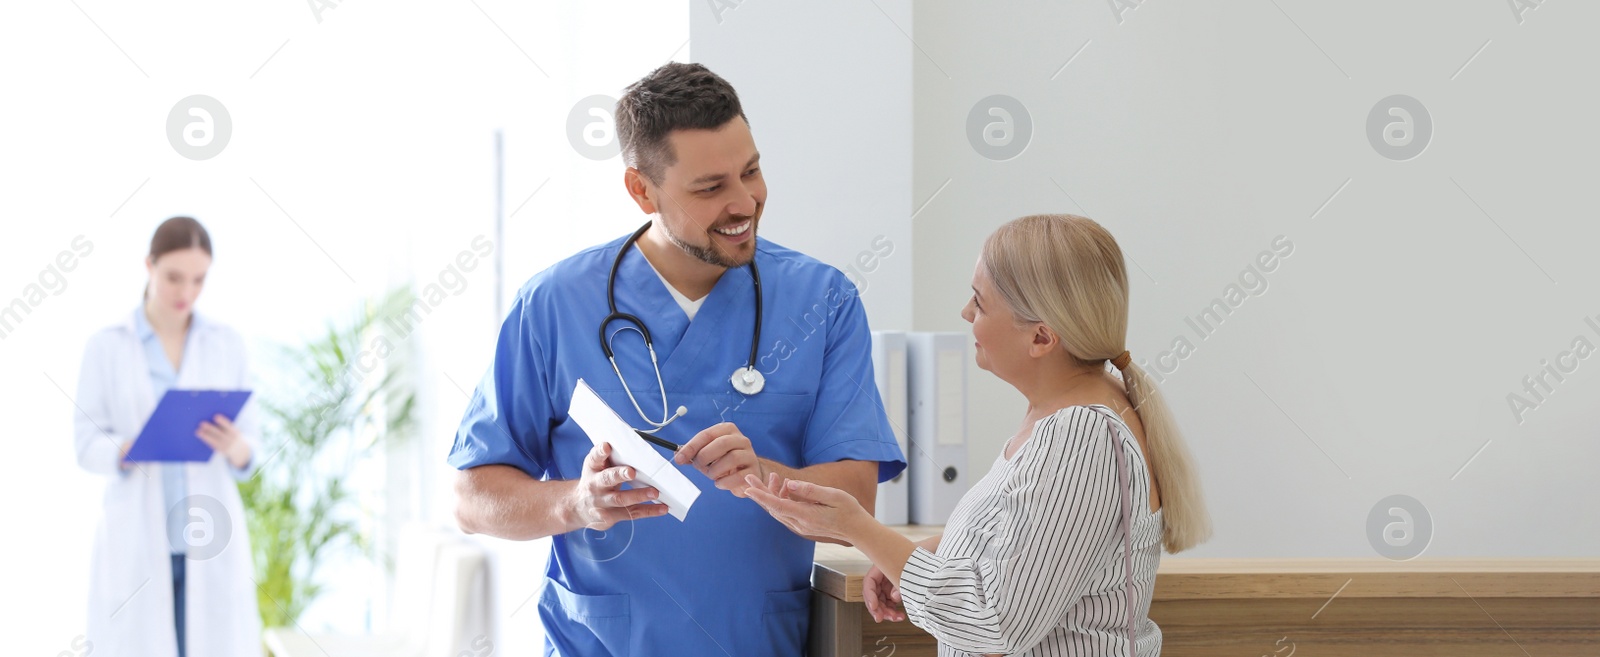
(1199,132)
(828,94)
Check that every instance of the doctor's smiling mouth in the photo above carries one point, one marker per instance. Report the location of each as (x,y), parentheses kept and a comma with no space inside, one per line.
(738,231)
(730,242)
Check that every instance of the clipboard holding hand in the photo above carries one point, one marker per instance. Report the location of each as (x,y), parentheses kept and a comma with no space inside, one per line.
(169,433)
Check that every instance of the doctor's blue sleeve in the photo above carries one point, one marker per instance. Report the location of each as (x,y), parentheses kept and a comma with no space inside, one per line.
(848,421)
(507,422)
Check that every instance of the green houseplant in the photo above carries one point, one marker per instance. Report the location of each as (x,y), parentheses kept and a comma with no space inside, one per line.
(336,402)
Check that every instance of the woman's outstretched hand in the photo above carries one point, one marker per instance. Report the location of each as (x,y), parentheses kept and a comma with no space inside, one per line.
(806,508)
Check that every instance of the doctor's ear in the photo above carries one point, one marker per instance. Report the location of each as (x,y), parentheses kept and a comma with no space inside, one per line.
(640,189)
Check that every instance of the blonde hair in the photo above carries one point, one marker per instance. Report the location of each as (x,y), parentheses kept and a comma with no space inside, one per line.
(1067,272)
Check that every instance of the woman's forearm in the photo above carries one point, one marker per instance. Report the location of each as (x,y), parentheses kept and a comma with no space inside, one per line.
(887,549)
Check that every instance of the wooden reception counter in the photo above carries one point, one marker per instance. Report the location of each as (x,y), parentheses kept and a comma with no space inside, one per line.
(1302,607)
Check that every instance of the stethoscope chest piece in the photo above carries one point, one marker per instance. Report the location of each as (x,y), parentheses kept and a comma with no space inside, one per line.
(748,380)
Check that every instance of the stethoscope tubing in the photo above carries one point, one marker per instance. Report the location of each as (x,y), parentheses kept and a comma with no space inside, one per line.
(638,324)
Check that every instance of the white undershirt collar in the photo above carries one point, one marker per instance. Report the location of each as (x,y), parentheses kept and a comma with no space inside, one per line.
(689,307)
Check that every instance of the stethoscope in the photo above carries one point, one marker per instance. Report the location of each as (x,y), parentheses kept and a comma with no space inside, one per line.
(747,379)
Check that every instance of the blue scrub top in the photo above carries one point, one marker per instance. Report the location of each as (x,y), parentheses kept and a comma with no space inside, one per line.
(729,579)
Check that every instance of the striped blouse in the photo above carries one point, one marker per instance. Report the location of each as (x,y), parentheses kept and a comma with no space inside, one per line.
(1032,561)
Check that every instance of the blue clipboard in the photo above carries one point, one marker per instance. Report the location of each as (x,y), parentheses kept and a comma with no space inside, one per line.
(169,433)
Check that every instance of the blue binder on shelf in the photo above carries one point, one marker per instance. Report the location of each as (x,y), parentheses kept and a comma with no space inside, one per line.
(169,433)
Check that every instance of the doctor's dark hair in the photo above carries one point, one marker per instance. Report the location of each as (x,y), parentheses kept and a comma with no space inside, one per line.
(676,96)
(177,234)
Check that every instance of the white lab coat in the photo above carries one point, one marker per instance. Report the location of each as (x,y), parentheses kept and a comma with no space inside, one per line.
(130,579)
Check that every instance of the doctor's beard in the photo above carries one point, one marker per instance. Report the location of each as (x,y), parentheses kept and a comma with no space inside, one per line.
(708,253)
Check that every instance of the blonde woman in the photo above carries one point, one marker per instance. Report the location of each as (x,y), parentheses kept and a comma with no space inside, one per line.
(1054,551)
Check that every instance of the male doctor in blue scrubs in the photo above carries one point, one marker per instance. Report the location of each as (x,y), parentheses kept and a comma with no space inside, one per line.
(622,579)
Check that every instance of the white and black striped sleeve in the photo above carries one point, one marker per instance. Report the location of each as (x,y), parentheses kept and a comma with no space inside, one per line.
(1056,517)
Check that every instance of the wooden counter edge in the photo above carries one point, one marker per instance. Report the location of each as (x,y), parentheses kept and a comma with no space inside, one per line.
(1192,579)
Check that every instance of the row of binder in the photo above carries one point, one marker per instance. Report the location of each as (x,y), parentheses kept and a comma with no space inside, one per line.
(922,380)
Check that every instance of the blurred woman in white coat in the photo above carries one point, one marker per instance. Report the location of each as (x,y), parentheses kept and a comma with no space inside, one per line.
(171,568)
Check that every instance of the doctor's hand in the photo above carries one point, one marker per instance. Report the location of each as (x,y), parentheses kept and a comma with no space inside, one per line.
(724,455)
(225,438)
(808,509)
(599,501)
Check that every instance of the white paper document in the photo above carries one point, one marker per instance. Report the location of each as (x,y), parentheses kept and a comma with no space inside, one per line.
(603,425)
